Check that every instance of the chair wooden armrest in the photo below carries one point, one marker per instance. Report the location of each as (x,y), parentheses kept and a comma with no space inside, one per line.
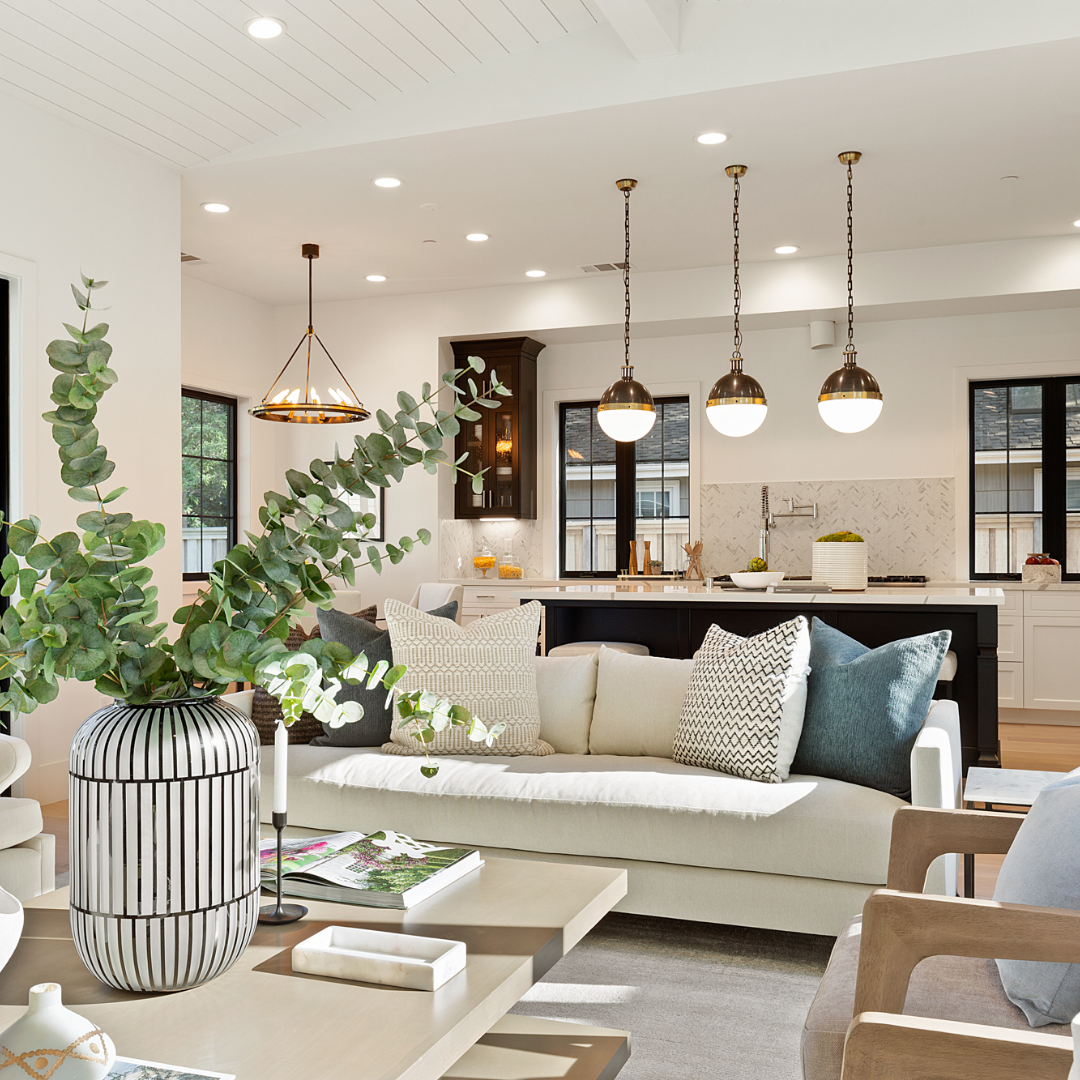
(881,1046)
(920,834)
(900,929)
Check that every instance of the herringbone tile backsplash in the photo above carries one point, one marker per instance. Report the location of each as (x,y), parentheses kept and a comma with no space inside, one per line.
(909,525)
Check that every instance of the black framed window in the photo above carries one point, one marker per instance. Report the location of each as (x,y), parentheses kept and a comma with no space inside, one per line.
(1024,474)
(209,464)
(611,493)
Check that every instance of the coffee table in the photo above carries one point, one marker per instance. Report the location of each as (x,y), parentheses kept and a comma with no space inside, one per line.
(263,1022)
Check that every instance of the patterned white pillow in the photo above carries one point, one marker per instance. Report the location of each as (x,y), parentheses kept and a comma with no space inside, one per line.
(487,666)
(745,702)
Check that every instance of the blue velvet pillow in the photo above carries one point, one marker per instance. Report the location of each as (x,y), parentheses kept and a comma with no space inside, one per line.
(1043,868)
(866,707)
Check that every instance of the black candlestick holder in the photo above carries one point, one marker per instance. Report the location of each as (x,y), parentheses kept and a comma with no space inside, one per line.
(280,913)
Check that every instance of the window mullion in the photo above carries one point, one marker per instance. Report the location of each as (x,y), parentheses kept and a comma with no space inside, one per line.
(1054,470)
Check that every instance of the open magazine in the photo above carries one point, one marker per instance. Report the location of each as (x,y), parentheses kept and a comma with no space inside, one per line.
(382,869)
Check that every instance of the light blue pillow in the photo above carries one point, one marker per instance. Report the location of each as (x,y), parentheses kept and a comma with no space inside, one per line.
(1043,868)
(866,707)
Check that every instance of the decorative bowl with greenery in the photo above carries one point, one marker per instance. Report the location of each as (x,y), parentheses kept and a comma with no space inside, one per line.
(86,609)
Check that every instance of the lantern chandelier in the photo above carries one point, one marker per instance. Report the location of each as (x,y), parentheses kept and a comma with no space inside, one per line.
(736,404)
(850,400)
(286,406)
(627,411)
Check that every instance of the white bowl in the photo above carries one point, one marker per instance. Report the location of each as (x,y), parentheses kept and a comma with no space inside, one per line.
(759,580)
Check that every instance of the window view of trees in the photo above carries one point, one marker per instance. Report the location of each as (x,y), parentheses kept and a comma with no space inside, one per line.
(209,480)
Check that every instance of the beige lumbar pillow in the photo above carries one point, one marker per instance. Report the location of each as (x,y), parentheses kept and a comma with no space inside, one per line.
(487,666)
(639,704)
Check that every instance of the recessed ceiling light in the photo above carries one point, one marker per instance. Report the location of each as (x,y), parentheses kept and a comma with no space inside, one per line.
(376,277)
(387,181)
(477,236)
(712,138)
(786,249)
(265,28)
(1077,224)
(535,273)
(215,207)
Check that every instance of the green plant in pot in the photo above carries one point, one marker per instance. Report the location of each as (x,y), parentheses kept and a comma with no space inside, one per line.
(83,607)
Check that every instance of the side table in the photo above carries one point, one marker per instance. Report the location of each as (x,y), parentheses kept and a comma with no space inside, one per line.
(1000,789)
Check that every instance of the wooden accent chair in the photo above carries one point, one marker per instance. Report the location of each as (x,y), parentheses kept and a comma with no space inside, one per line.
(916,972)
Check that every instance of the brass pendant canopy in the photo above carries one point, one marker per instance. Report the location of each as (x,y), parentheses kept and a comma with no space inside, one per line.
(627,411)
(287,407)
(736,405)
(850,398)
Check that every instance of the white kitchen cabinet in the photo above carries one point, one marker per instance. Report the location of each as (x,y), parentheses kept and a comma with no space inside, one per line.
(1011,685)
(1052,603)
(1013,603)
(1052,660)
(1010,638)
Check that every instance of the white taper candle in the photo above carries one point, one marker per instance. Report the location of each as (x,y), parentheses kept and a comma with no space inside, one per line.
(281,766)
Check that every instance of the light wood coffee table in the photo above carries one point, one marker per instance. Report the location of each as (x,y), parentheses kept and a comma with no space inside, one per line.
(263,1022)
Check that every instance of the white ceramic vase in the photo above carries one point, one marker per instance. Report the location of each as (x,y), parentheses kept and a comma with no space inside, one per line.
(49,1040)
(843,566)
(11,924)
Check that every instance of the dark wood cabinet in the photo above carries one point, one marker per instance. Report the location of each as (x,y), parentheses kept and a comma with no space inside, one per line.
(503,440)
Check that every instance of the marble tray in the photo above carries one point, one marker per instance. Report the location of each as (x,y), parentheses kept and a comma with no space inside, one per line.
(377,956)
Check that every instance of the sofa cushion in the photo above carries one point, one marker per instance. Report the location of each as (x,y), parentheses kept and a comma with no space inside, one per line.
(565,692)
(962,988)
(20,819)
(646,808)
(487,667)
(360,635)
(639,701)
(733,716)
(865,707)
(1041,869)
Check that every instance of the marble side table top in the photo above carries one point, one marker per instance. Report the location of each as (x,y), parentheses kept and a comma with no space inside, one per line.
(1010,787)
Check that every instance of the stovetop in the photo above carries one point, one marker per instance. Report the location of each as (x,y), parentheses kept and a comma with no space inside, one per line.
(913,580)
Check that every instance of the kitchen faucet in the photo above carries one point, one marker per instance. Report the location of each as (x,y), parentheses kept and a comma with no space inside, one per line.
(768,518)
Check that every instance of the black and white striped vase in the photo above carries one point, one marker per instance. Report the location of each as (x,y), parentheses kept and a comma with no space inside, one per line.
(164,839)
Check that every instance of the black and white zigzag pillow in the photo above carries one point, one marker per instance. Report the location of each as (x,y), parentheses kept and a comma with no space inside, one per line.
(734,703)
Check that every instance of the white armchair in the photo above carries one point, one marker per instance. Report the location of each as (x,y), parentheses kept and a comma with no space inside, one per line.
(27,855)
(432,594)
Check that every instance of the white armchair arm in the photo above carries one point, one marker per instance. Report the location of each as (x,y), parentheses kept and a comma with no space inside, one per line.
(14,760)
(935,781)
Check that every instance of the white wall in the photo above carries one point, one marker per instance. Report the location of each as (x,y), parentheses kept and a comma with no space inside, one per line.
(72,202)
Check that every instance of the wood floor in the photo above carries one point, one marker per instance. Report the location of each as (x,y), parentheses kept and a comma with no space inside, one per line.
(1023,746)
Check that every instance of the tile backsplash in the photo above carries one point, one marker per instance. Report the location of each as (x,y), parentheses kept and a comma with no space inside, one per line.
(459,540)
(909,525)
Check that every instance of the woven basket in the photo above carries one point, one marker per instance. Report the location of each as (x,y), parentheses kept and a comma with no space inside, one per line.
(265,708)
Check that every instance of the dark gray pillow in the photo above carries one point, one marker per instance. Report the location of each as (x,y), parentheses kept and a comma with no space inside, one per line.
(361,636)
(866,707)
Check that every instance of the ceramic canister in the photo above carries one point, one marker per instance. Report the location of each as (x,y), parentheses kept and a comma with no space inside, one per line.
(49,1041)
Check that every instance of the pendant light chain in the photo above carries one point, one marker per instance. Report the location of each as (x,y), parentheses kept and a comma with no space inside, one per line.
(627,369)
(736,352)
(850,302)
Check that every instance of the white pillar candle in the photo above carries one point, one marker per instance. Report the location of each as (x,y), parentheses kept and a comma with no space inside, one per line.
(281,766)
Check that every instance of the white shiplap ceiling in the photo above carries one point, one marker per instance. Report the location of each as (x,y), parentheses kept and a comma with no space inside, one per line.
(182,79)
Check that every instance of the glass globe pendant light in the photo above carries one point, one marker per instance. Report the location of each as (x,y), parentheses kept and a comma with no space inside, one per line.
(850,399)
(627,411)
(342,406)
(736,404)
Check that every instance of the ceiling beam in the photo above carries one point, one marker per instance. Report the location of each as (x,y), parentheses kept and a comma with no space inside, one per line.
(648,28)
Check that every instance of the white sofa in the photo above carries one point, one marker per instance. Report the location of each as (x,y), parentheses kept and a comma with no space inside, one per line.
(27,855)
(801,855)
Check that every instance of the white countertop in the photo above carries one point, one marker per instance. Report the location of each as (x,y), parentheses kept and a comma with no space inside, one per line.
(626,591)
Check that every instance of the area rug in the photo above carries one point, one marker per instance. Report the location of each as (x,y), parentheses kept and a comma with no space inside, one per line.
(700,1001)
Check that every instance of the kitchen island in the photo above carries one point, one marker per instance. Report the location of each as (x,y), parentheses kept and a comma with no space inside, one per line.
(671,619)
